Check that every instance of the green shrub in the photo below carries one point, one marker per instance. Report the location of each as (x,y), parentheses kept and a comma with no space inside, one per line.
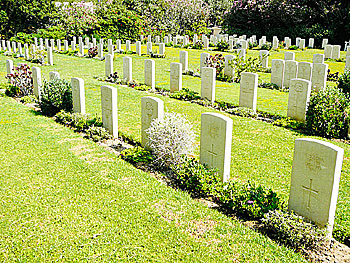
(53,32)
(79,122)
(293,230)
(21,82)
(328,113)
(56,96)
(293,47)
(196,178)
(136,155)
(185,94)
(28,99)
(287,122)
(23,38)
(344,82)
(222,45)
(97,134)
(198,45)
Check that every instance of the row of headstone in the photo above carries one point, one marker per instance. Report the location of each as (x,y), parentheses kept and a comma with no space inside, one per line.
(332,51)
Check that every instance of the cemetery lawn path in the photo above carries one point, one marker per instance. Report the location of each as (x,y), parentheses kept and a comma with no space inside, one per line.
(64,198)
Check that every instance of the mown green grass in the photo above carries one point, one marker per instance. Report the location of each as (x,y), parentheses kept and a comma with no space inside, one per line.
(66,199)
(261,153)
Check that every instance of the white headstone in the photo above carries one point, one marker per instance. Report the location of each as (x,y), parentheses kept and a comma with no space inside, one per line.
(49,56)
(328,49)
(138,48)
(149,48)
(110,48)
(127,68)
(318,58)
(336,52)
(304,70)
(78,95)
(264,58)
(184,60)
(277,72)
(324,42)
(299,96)
(215,143)
(150,73)
(289,56)
(54,75)
(151,108)
(127,45)
(37,81)
(9,66)
(109,99)
(175,76)
(81,49)
(203,61)
(208,83)
(161,48)
(311,43)
(290,72)
(315,181)
(59,44)
(347,63)
(73,44)
(319,76)
(302,44)
(229,70)
(248,90)
(100,50)
(65,44)
(109,65)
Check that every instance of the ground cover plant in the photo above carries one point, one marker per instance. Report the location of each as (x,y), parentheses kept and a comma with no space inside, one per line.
(262,146)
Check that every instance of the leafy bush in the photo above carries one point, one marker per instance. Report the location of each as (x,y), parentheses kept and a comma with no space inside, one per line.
(216,61)
(249,200)
(28,99)
(245,65)
(266,46)
(37,56)
(185,94)
(293,47)
(268,85)
(171,139)
(222,45)
(328,113)
(136,155)
(97,134)
(23,38)
(332,76)
(287,122)
(52,32)
(79,122)
(293,230)
(21,82)
(196,178)
(198,45)
(344,82)
(92,52)
(114,78)
(56,96)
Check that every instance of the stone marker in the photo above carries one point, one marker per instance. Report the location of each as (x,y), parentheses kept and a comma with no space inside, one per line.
(304,70)
(9,66)
(81,49)
(65,45)
(277,72)
(290,72)
(229,70)
(208,83)
(318,58)
(302,44)
(150,73)
(138,48)
(59,44)
(52,44)
(54,75)
(78,95)
(215,143)
(288,43)
(324,42)
(315,181)
(149,48)
(299,96)
(203,61)
(109,65)
(49,56)
(175,76)
(161,48)
(263,55)
(347,63)
(110,48)
(73,44)
(289,56)
(151,108)
(14,48)
(184,60)
(328,49)
(26,52)
(127,68)
(100,51)
(311,43)
(127,45)
(37,81)
(109,106)
(20,49)
(319,76)
(248,90)
(336,52)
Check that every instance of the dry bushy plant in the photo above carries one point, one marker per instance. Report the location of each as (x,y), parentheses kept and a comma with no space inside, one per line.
(171,139)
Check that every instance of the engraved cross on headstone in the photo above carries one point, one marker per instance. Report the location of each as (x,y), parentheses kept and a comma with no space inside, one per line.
(212,155)
(310,191)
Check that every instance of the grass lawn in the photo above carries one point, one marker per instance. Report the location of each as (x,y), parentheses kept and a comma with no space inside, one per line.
(261,153)
(66,199)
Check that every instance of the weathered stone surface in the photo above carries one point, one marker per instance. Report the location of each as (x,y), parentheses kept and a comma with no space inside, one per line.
(277,72)
(215,143)
(208,83)
(248,90)
(315,181)
(109,101)
(299,96)
(319,76)
(304,70)
(175,76)
(78,95)
(290,72)
(109,65)
(36,81)
(150,73)
(127,68)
